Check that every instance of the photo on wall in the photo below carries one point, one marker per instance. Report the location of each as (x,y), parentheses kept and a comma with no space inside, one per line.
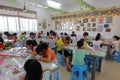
(84,28)
(44,23)
(106,25)
(94,25)
(85,20)
(89,25)
(100,20)
(82,24)
(93,19)
(88,29)
(109,19)
(100,28)
(93,29)
(108,30)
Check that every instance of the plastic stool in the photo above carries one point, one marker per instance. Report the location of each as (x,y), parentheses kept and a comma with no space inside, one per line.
(60,58)
(79,72)
(113,57)
(89,61)
(54,75)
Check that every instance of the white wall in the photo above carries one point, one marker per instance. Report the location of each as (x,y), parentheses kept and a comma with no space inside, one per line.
(115,29)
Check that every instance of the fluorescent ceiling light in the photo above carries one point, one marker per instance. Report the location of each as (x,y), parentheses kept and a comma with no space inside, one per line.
(45,7)
(54,4)
(39,6)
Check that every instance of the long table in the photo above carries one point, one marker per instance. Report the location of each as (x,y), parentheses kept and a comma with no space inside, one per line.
(6,67)
(94,56)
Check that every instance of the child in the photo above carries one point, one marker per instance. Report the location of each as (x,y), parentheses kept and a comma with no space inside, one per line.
(33,70)
(1,43)
(79,54)
(47,53)
(30,44)
(115,44)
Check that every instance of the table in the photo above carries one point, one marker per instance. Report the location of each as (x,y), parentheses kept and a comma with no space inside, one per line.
(6,67)
(94,56)
(108,50)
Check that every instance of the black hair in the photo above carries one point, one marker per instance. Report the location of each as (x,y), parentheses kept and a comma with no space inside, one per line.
(14,34)
(33,69)
(1,40)
(65,34)
(31,42)
(48,33)
(31,34)
(73,32)
(86,33)
(116,37)
(98,37)
(80,43)
(41,47)
(6,33)
(61,33)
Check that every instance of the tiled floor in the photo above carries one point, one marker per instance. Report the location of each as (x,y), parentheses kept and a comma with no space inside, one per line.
(110,71)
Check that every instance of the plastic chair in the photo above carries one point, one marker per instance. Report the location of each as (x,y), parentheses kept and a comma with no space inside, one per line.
(114,57)
(54,76)
(79,72)
(60,58)
(89,61)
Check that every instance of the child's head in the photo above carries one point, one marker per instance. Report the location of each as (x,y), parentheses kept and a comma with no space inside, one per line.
(1,40)
(80,43)
(33,70)
(115,37)
(41,48)
(85,34)
(31,43)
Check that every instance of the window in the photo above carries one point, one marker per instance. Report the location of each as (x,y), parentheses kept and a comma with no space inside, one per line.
(28,24)
(13,24)
(3,23)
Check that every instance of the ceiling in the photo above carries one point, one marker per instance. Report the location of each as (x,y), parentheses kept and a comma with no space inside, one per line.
(68,4)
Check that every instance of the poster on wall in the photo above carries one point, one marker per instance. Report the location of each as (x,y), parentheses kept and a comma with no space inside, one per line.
(89,25)
(94,25)
(84,28)
(93,29)
(82,24)
(44,23)
(85,20)
(108,30)
(109,19)
(100,28)
(100,20)
(106,25)
(93,20)
(88,29)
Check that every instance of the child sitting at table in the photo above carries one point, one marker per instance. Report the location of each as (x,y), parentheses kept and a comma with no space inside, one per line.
(30,44)
(79,54)
(1,43)
(33,70)
(115,44)
(47,53)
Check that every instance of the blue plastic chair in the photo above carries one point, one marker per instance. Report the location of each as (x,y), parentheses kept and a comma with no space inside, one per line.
(89,61)
(79,72)
(55,75)
(60,58)
(113,57)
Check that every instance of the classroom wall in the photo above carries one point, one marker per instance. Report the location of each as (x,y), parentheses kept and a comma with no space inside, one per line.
(115,30)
